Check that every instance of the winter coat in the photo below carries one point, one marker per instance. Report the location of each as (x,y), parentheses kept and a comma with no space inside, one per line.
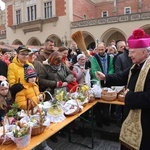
(49,77)
(80,75)
(71,57)
(135,100)
(37,65)
(15,72)
(3,68)
(44,55)
(123,61)
(30,91)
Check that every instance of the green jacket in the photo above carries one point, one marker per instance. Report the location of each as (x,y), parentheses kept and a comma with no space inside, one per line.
(97,66)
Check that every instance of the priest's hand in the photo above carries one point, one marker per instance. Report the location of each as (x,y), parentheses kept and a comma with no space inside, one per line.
(100,75)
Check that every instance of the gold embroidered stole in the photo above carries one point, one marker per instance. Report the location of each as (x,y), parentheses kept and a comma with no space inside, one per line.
(131,130)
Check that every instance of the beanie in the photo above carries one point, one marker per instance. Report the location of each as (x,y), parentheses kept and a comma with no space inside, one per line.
(29,72)
(79,56)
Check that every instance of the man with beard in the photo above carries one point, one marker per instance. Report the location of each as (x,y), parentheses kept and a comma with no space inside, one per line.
(49,49)
(101,61)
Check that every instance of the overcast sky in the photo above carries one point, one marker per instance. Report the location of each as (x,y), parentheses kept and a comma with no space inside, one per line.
(2,5)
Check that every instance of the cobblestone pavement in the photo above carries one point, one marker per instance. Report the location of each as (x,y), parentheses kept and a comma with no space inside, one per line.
(105,138)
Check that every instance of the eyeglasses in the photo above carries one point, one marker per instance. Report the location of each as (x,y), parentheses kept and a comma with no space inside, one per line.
(23,54)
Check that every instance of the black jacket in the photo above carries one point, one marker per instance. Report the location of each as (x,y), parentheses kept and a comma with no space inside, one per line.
(135,100)
(3,68)
(123,61)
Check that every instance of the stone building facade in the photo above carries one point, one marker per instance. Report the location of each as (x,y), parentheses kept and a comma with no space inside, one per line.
(31,22)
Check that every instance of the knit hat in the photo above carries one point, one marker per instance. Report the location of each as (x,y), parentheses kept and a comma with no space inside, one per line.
(139,39)
(29,72)
(79,56)
(3,82)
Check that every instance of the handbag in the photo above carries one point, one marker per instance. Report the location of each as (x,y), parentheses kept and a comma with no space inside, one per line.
(88,78)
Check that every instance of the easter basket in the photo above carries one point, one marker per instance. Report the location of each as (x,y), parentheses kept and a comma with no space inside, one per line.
(22,135)
(38,128)
(108,95)
(71,108)
(121,96)
(48,99)
(55,112)
(4,138)
(91,96)
(81,95)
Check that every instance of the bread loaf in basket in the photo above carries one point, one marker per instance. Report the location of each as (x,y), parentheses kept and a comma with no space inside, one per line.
(108,95)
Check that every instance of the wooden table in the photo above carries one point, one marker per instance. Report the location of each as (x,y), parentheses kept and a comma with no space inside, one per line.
(116,102)
(53,128)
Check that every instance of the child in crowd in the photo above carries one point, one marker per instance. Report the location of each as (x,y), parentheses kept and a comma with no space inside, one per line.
(5,97)
(31,92)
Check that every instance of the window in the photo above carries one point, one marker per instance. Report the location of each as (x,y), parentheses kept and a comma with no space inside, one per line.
(31,12)
(2,31)
(18,16)
(48,9)
(105,14)
(84,17)
(127,10)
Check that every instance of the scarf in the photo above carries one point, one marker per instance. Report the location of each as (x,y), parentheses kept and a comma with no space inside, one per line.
(56,67)
(103,60)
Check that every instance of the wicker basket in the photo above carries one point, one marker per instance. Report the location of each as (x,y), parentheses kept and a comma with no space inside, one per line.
(6,142)
(121,97)
(85,93)
(91,99)
(36,130)
(108,96)
(73,113)
(91,96)
(73,103)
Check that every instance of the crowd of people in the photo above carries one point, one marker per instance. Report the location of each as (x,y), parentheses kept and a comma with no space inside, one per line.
(26,72)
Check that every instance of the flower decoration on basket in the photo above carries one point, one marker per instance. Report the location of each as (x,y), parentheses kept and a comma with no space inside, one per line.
(108,94)
(24,129)
(84,89)
(83,94)
(13,112)
(61,95)
(22,134)
(80,98)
